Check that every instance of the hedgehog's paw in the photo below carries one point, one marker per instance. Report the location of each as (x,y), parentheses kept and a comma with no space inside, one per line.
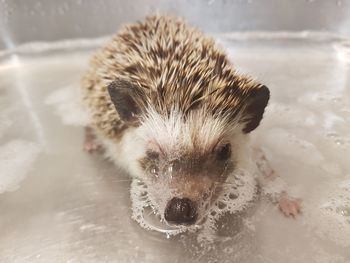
(91,146)
(90,143)
(263,165)
(289,206)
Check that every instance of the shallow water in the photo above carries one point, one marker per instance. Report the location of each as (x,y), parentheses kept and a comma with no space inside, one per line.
(59,204)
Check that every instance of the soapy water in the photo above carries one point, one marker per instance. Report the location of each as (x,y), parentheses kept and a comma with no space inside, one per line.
(238,193)
(304,134)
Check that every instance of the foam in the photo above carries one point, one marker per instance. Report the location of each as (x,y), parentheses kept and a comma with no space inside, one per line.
(66,102)
(239,191)
(16,159)
(144,212)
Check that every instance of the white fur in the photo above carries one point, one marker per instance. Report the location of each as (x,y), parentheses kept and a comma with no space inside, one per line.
(172,134)
(126,152)
(199,130)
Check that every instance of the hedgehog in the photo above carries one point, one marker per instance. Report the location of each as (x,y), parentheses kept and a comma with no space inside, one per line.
(167,106)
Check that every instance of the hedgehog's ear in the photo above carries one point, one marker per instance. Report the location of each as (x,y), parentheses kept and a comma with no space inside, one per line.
(124,97)
(254,108)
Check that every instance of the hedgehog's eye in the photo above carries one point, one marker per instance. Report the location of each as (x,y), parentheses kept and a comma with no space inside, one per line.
(224,152)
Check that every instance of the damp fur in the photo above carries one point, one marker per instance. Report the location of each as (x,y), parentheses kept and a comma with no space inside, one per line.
(169,107)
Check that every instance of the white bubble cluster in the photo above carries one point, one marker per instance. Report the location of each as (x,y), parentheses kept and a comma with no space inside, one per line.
(67,105)
(16,159)
(238,192)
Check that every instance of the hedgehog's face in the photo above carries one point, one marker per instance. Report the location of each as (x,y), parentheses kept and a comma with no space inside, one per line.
(186,161)
(184,182)
(186,158)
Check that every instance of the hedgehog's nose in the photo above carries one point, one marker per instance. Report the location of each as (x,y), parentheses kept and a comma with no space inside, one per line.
(180,211)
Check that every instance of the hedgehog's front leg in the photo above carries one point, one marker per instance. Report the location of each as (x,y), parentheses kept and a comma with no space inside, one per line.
(274,187)
(90,142)
(288,205)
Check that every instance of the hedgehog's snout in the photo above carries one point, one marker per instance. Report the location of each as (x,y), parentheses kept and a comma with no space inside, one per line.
(181,211)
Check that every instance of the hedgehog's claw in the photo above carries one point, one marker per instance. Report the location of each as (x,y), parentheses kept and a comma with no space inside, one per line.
(289,206)
(90,146)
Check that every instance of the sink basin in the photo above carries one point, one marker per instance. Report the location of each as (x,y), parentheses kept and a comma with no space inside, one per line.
(60,204)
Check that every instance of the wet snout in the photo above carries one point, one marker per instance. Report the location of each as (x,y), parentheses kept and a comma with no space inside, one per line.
(181,211)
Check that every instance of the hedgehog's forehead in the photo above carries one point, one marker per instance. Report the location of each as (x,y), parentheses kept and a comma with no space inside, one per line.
(175,132)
